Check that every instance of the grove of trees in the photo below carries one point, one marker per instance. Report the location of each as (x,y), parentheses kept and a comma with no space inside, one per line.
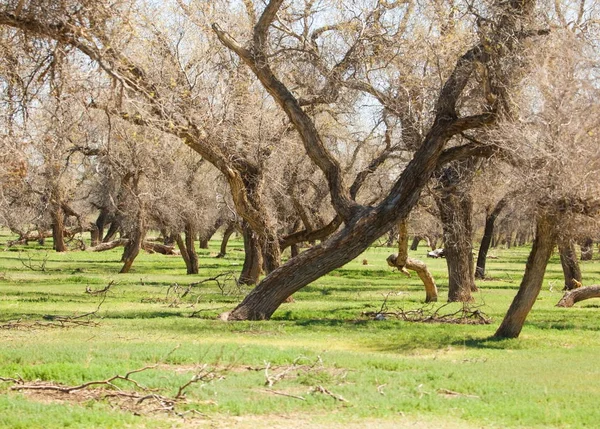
(314,127)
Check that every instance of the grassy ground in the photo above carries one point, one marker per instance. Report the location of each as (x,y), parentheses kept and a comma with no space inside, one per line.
(329,364)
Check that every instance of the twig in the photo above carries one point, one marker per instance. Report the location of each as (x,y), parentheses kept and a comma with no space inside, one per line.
(90,291)
(325,391)
(275,392)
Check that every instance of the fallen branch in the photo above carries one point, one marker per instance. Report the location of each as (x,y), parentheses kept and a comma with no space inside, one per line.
(321,389)
(90,291)
(465,315)
(580,294)
(69,389)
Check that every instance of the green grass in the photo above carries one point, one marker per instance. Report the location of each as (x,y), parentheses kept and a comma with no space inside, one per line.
(391,373)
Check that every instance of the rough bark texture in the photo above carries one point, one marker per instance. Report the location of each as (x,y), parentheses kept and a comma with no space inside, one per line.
(252,257)
(545,238)
(58,230)
(570,265)
(107,246)
(456,211)
(486,240)
(573,296)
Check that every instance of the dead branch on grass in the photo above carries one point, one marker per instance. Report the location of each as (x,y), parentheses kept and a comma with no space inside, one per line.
(140,395)
(105,289)
(34,266)
(466,315)
(321,389)
(275,378)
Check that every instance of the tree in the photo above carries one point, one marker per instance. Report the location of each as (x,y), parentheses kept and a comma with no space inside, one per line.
(560,155)
(344,58)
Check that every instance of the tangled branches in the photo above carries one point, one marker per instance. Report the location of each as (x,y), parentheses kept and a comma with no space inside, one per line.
(466,315)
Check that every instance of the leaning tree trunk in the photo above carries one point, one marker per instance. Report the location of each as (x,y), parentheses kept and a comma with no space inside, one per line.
(456,207)
(226,235)
(58,230)
(545,238)
(570,265)
(486,240)
(252,257)
(136,238)
(404,263)
(573,296)
(587,249)
(415,243)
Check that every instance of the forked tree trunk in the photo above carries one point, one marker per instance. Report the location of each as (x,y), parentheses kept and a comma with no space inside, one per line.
(58,230)
(187,249)
(587,249)
(252,257)
(404,263)
(570,265)
(455,207)
(486,240)
(543,243)
(226,235)
(573,296)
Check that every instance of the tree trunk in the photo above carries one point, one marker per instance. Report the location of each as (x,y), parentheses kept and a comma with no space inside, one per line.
(271,253)
(107,246)
(136,238)
(190,235)
(131,251)
(112,231)
(570,265)
(404,263)
(488,233)
(545,238)
(226,235)
(415,243)
(95,237)
(455,205)
(252,257)
(587,249)
(100,224)
(573,296)
(58,230)
(295,250)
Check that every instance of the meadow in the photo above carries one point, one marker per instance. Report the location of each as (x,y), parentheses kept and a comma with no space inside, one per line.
(322,361)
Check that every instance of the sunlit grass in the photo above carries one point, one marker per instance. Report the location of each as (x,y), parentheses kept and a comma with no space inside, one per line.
(387,371)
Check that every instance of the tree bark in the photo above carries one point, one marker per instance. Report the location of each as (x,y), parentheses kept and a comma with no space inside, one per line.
(587,249)
(545,238)
(253,261)
(573,296)
(190,235)
(404,263)
(226,235)
(58,230)
(415,243)
(488,233)
(107,246)
(456,206)
(570,265)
